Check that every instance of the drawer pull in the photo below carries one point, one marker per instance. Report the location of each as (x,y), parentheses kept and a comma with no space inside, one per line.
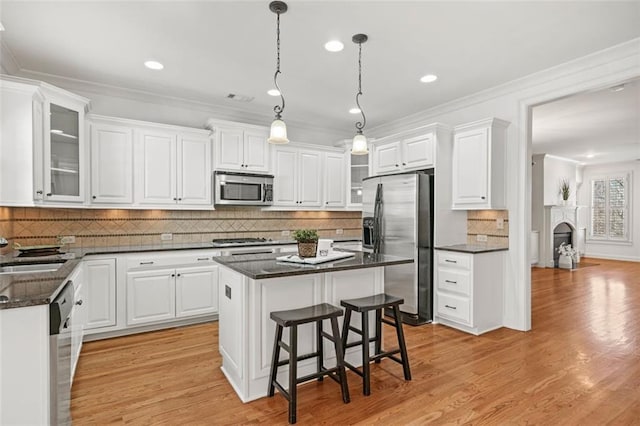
(451,282)
(451,261)
(146,263)
(203,258)
(450,307)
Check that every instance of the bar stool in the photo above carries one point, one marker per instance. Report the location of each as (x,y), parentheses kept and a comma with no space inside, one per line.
(293,318)
(363,305)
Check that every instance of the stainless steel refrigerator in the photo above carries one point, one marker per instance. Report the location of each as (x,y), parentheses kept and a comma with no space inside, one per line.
(397,219)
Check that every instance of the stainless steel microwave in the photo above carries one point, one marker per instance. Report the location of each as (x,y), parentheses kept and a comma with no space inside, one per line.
(242,189)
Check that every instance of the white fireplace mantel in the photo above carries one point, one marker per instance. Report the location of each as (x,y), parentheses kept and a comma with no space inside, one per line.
(575,217)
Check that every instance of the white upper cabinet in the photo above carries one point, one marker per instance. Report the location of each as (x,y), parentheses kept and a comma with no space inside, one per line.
(111,164)
(61,157)
(297,181)
(241,150)
(172,168)
(334,187)
(479,163)
(413,153)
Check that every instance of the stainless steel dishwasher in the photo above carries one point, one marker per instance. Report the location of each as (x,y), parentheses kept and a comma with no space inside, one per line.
(60,355)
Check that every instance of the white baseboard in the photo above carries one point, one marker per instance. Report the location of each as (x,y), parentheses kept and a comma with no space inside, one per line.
(612,257)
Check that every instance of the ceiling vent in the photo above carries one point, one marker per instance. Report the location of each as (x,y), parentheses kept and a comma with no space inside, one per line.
(239,98)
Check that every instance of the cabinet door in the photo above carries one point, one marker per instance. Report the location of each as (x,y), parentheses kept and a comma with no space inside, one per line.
(417,153)
(285,183)
(194,170)
(256,152)
(156,166)
(386,158)
(334,167)
(63,152)
(77,319)
(151,296)
(111,164)
(100,290)
(470,167)
(358,170)
(229,148)
(309,178)
(196,291)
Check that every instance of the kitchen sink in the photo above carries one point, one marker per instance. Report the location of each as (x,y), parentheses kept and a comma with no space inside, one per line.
(30,268)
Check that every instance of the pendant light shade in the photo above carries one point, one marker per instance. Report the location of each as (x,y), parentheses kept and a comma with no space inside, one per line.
(278,134)
(359,144)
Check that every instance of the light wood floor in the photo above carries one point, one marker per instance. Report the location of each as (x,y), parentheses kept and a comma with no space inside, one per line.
(579,365)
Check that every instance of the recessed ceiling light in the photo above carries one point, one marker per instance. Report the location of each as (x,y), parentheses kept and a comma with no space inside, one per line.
(273,92)
(334,46)
(618,88)
(429,78)
(590,155)
(153,65)
(354,111)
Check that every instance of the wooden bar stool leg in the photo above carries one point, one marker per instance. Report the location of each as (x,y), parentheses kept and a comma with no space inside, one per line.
(401,343)
(274,359)
(320,349)
(366,368)
(378,334)
(293,372)
(342,375)
(345,329)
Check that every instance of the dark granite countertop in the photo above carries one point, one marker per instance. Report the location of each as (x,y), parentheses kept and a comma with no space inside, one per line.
(20,290)
(472,248)
(263,266)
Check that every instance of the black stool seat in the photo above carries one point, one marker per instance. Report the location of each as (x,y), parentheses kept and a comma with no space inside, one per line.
(292,319)
(370,303)
(363,305)
(305,315)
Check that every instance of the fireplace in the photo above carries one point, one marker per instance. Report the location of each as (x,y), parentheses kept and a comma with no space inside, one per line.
(561,234)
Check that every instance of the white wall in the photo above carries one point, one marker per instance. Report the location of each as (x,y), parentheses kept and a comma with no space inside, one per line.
(620,251)
(555,170)
(513,102)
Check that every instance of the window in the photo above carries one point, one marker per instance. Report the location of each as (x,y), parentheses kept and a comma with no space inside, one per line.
(610,211)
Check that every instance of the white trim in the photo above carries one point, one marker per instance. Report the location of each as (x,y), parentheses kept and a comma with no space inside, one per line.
(8,59)
(96,118)
(591,255)
(557,157)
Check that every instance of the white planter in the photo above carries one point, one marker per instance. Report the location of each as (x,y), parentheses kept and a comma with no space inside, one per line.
(565,262)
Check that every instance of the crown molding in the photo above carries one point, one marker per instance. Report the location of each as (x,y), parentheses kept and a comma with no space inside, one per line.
(627,51)
(97,118)
(7,59)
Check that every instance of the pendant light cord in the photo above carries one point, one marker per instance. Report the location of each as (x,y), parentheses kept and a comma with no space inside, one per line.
(360,125)
(278,109)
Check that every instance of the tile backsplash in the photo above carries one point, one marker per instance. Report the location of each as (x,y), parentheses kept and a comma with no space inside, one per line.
(484,222)
(6,227)
(110,227)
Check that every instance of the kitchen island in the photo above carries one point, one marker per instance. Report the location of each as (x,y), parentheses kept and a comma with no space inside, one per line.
(253,286)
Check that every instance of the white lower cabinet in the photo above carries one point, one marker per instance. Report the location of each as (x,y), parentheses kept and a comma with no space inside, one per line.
(468,290)
(77,317)
(100,291)
(164,294)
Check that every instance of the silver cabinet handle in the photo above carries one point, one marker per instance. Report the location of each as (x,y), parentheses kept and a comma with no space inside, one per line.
(203,258)
(451,282)
(146,263)
(450,307)
(40,192)
(79,302)
(451,261)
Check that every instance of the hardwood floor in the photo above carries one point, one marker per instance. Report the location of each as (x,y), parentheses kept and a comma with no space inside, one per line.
(579,365)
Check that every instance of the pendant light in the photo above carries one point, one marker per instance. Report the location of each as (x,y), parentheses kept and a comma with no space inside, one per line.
(359,144)
(278,134)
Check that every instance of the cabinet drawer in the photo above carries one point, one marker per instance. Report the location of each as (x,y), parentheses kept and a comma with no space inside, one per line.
(454,260)
(454,280)
(455,308)
(155,260)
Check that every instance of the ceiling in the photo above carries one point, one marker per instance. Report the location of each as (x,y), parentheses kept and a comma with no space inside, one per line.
(594,127)
(212,48)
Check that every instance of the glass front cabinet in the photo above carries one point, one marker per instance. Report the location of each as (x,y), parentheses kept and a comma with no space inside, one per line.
(358,167)
(60,162)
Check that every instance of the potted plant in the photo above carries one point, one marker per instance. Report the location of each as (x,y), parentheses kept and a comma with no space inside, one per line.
(568,256)
(565,191)
(307,242)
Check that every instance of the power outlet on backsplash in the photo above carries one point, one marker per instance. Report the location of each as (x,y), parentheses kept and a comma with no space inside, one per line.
(166,237)
(339,231)
(481,238)
(499,223)
(67,239)
(285,233)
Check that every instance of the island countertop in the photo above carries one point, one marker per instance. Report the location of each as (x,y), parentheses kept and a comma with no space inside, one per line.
(263,266)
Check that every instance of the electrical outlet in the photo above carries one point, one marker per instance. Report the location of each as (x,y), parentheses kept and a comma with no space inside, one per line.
(285,233)
(67,239)
(339,231)
(481,238)
(499,223)
(166,237)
